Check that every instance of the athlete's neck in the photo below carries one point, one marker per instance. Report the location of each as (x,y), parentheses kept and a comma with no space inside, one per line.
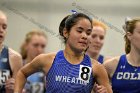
(134,58)
(72,56)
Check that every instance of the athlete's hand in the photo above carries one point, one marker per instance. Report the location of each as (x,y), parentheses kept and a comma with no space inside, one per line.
(24,91)
(99,89)
(9,85)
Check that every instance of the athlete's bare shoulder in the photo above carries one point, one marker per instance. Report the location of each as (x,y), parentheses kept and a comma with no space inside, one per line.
(95,62)
(111,65)
(112,61)
(97,67)
(15,61)
(44,61)
(107,58)
(47,56)
(13,53)
(14,57)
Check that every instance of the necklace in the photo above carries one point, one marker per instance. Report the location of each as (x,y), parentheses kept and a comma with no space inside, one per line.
(130,61)
(134,67)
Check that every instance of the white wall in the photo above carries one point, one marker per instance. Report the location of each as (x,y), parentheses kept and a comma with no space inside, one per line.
(25,15)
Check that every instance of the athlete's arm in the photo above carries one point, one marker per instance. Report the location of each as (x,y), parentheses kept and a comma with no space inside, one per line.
(110,66)
(39,63)
(101,76)
(15,61)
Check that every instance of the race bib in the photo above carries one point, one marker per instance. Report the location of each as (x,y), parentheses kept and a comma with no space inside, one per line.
(84,73)
(4,74)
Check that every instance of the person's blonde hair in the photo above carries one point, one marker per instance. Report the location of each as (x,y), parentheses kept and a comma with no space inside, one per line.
(2,13)
(99,23)
(28,37)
